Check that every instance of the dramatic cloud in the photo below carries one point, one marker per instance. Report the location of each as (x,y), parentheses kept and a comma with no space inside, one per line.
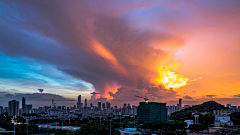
(187,97)
(116,48)
(210,96)
(238,95)
(94,93)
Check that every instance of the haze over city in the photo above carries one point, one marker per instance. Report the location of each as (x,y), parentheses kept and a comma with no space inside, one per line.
(110,51)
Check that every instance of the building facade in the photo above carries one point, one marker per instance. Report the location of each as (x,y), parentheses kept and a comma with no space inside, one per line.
(23,105)
(13,108)
(151,112)
(1,109)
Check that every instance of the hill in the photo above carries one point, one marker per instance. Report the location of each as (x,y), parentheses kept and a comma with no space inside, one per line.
(205,107)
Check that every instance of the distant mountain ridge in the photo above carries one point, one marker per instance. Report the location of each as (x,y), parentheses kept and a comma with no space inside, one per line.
(205,107)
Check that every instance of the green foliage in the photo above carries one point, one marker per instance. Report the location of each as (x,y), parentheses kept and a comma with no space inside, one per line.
(196,127)
(205,107)
(96,129)
(235,117)
(166,126)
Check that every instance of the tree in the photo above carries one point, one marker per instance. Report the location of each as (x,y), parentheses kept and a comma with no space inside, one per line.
(235,117)
(196,127)
(205,107)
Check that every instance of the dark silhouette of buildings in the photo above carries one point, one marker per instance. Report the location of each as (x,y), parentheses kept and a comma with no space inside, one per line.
(13,108)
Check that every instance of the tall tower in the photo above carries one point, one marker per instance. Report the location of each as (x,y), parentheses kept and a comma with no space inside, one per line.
(79,102)
(13,107)
(85,103)
(103,106)
(52,103)
(180,104)
(99,105)
(23,104)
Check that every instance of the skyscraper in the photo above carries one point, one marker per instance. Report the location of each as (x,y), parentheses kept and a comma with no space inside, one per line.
(23,104)
(13,108)
(109,105)
(52,103)
(28,107)
(99,105)
(85,103)
(79,102)
(151,112)
(1,109)
(103,106)
(180,104)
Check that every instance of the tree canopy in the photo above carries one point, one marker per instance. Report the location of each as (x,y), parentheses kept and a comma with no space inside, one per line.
(205,107)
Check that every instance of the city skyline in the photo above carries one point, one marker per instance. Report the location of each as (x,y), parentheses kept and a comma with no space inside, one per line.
(112,51)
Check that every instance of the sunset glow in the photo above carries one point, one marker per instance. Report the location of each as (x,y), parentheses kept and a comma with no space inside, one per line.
(114,50)
(171,80)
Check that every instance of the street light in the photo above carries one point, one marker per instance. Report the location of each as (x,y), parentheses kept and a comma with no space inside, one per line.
(15,121)
(110,126)
(27,125)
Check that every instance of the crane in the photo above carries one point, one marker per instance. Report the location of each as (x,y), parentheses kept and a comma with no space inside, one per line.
(145,98)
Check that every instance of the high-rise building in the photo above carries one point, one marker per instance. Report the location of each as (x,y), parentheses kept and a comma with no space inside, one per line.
(228,105)
(20,112)
(151,112)
(23,104)
(173,109)
(64,108)
(5,109)
(124,105)
(180,104)
(55,106)
(99,105)
(52,103)
(28,107)
(91,105)
(85,103)
(13,108)
(108,105)
(1,109)
(103,106)
(59,107)
(129,109)
(79,102)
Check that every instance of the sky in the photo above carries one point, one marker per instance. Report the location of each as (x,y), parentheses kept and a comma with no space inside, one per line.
(114,50)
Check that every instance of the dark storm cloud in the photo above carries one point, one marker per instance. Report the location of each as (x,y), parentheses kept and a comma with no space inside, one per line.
(44,31)
(122,88)
(14,90)
(94,93)
(36,99)
(121,62)
(237,96)
(210,96)
(9,95)
(187,97)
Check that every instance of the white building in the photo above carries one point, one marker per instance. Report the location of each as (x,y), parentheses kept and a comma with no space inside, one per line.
(189,122)
(222,120)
